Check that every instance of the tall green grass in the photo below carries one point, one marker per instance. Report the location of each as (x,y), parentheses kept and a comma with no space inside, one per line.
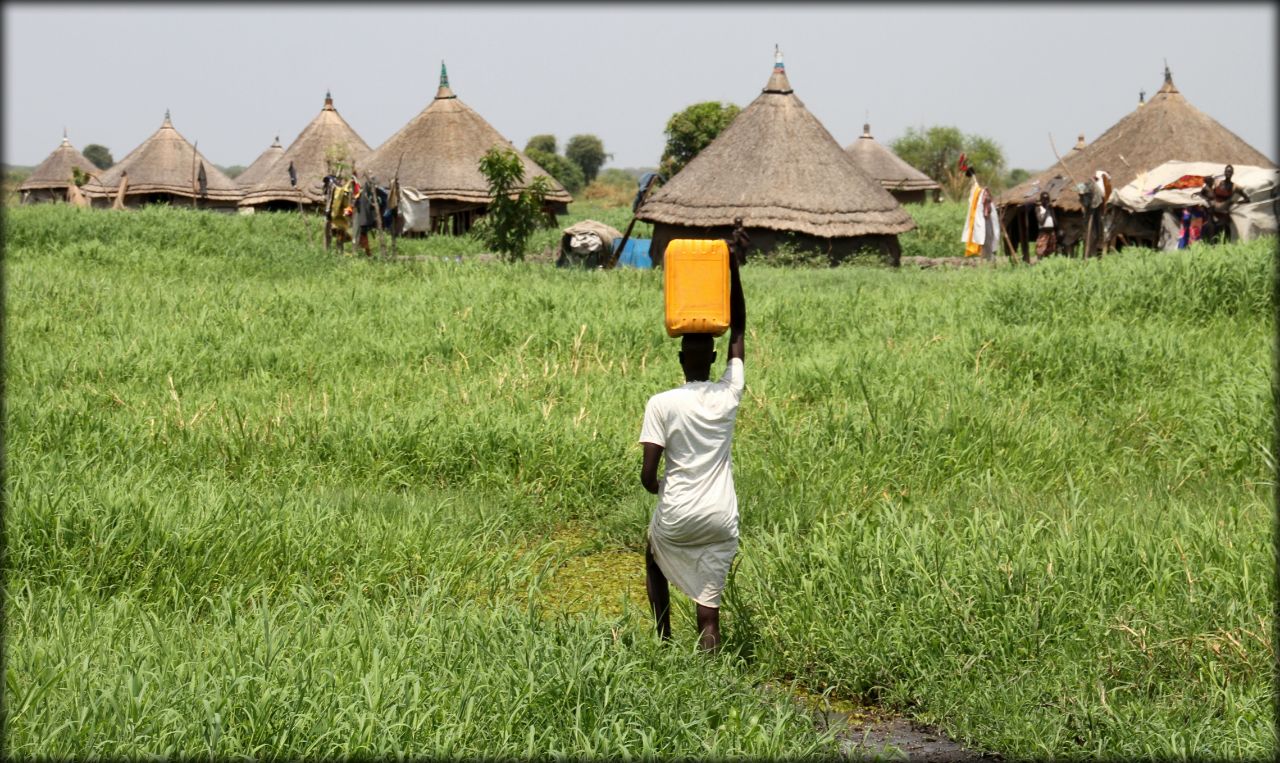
(264,501)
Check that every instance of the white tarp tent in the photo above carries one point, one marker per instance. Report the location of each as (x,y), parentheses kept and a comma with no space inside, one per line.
(1147,193)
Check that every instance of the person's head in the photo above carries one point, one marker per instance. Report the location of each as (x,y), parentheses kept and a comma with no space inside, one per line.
(968,172)
(1228,171)
(1044,198)
(697,353)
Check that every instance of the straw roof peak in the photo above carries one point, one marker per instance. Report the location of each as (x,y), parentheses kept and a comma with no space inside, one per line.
(778,82)
(254,173)
(1168,87)
(1168,127)
(1080,144)
(438,152)
(777,167)
(444,91)
(56,170)
(885,167)
(325,139)
(165,163)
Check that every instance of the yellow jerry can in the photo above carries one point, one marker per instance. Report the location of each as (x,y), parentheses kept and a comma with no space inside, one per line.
(696,283)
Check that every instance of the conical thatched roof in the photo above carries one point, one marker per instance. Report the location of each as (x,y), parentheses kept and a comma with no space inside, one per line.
(258,169)
(777,167)
(878,161)
(55,170)
(326,137)
(439,150)
(164,163)
(1165,128)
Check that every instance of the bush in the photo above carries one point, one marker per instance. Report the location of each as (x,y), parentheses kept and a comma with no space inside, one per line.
(512,217)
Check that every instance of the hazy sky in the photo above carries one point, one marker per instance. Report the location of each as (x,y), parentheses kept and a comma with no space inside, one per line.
(236,75)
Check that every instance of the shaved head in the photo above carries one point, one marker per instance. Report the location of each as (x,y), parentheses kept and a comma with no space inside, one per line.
(697,353)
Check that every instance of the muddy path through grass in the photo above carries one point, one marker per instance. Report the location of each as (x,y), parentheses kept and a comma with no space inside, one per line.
(584,576)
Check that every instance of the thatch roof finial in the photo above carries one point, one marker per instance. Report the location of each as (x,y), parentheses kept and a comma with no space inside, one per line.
(866,129)
(778,82)
(444,91)
(65,142)
(328,99)
(1142,97)
(1080,144)
(1168,87)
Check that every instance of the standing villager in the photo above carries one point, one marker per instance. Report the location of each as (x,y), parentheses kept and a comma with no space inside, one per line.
(1047,239)
(981,222)
(693,535)
(364,217)
(1221,198)
(337,211)
(1196,221)
(1098,221)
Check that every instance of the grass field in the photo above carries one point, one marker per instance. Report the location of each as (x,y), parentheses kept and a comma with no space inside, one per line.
(263,501)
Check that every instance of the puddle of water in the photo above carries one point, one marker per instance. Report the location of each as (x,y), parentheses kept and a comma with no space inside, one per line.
(612,582)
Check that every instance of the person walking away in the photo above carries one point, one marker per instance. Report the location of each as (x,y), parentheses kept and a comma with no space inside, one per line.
(693,535)
(1047,239)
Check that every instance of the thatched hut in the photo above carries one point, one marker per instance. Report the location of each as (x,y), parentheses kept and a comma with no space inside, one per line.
(907,184)
(50,180)
(1165,128)
(256,171)
(438,153)
(326,143)
(165,169)
(776,167)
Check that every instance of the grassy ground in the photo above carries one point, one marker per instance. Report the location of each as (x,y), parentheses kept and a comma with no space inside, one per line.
(267,501)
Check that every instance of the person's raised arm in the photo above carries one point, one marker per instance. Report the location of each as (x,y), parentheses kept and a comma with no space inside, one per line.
(737,305)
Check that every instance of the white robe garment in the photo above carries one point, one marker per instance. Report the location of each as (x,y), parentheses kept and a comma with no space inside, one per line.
(694,531)
(981,232)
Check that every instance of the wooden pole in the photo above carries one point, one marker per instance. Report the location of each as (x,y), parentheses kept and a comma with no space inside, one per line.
(644,192)
(1013,260)
(195,189)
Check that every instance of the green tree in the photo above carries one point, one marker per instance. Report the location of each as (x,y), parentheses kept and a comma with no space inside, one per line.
(544,143)
(587,151)
(691,130)
(616,177)
(233,171)
(1015,176)
(564,171)
(513,216)
(935,152)
(99,155)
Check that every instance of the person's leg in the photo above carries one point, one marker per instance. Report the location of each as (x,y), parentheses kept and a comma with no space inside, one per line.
(709,628)
(655,584)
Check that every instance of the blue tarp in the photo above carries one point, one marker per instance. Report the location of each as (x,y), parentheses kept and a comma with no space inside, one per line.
(636,255)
